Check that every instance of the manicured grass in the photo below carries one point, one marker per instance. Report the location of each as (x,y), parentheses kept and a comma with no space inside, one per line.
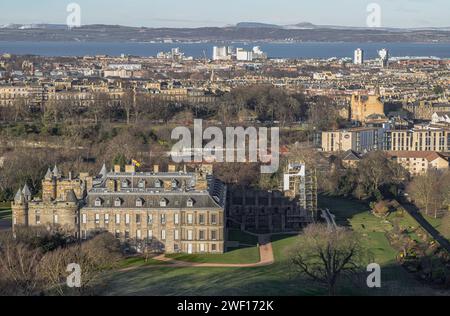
(278,278)
(344,209)
(5,212)
(281,245)
(167,281)
(242,255)
(372,231)
(135,262)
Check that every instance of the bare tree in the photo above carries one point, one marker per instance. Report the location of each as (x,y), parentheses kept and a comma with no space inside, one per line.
(19,266)
(100,105)
(20,108)
(325,255)
(127,103)
(429,191)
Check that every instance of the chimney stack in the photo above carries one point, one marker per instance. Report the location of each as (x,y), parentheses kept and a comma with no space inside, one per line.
(172,168)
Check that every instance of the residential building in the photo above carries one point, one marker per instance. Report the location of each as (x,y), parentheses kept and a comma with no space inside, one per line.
(359,57)
(384,57)
(221,53)
(420,138)
(360,139)
(350,159)
(243,55)
(440,117)
(420,162)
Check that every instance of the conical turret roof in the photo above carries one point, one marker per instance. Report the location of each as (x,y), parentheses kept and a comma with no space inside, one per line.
(104,171)
(56,172)
(18,198)
(26,192)
(49,174)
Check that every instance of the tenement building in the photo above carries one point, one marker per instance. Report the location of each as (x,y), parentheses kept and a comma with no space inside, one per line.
(174,211)
(420,138)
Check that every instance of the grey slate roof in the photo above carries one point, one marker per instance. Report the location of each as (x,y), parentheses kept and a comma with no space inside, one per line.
(49,174)
(152,200)
(26,192)
(56,171)
(71,197)
(151,195)
(19,196)
(351,155)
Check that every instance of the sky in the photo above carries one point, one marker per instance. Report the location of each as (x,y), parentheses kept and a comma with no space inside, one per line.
(196,13)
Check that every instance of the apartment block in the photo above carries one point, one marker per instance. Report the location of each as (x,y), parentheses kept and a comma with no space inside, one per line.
(419,162)
(419,139)
(362,139)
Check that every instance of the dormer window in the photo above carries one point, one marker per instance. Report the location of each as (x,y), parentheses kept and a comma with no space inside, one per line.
(190,202)
(125,184)
(158,184)
(139,202)
(141,184)
(174,183)
(98,202)
(163,202)
(118,202)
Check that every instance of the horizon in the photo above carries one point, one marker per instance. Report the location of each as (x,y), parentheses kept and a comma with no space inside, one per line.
(229,25)
(139,13)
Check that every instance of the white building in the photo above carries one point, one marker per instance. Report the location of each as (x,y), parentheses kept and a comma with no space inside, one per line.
(359,57)
(243,55)
(132,67)
(384,57)
(221,53)
(440,117)
(258,53)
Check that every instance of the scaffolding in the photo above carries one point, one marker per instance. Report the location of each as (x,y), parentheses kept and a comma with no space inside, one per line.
(300,184)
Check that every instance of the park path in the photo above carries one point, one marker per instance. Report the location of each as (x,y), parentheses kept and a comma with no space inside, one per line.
(265,254)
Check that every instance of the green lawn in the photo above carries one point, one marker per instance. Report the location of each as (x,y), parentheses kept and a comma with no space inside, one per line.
(261,281)
(241,255)
(276,279)
(135,262)
(395,279)
(249,253)
(5,211)
(437,223)
(281,245)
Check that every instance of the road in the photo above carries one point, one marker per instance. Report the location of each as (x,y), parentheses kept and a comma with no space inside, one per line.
(415,212)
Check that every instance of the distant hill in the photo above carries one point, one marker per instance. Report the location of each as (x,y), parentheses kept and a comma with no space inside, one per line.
(257,25)
(244,31)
